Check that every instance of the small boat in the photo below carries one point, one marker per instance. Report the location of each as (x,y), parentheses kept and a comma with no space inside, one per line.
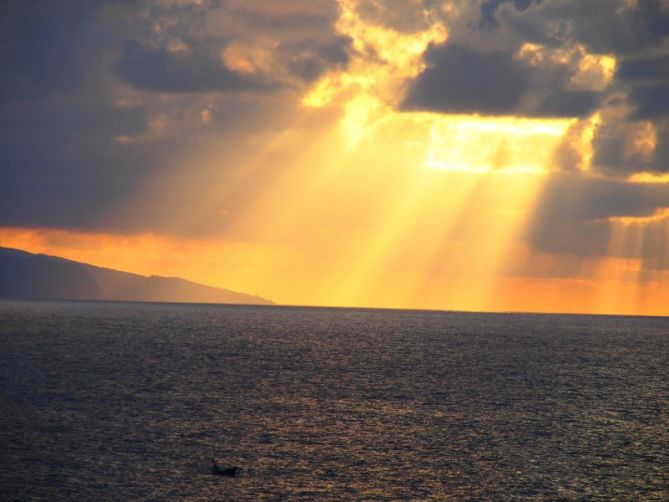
(221,470)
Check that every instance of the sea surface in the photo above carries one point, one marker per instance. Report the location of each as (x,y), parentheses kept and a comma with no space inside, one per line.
(130,401)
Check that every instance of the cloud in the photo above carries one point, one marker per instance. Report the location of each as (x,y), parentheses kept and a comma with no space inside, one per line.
(289,18)
(101,99)
(576,214)
(489,10)
(651,101)
(231,47)
(399,15)
(196,69)
(41,46)
(646,77)
(652,68)
(630,141)
(618,27)
(309,59)
(462,80)
(559,58)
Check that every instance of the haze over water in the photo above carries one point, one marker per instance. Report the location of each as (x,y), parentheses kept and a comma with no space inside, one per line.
(121,401)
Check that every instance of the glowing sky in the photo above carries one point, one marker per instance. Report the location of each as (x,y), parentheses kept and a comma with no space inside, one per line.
(447,154)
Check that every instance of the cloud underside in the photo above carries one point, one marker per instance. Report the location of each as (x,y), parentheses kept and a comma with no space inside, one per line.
(461,80)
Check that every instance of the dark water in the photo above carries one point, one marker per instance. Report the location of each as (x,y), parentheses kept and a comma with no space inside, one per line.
(113,401)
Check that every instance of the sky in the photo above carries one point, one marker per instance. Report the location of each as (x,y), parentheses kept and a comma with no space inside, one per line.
(495,155)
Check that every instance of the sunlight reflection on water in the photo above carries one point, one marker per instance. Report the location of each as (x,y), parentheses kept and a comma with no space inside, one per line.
(131,401)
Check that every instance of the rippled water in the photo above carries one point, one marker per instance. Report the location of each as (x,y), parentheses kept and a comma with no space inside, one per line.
(113,401)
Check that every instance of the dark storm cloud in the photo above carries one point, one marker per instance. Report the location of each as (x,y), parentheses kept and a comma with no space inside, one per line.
(462,80)
(41,46)
(603,26)
(66,168)
(651,101)
(61,165)
(98,98)
(567,103)
(633,33)
(609,151)
(644,69)
(317,21)
(489,10)
(612,153)
(600,198)
(57,118)
(468,75)
(59,162)
(646,79)
(311,58)
(199,69)
(185,53)
(661,152)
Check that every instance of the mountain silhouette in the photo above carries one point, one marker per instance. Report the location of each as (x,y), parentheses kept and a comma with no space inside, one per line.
(41,277)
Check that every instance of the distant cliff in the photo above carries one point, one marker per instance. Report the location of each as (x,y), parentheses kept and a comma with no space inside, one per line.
(36,276)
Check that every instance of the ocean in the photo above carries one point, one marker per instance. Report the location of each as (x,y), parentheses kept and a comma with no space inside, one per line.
(130,401)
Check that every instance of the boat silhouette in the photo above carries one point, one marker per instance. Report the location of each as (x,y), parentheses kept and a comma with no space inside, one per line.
(221,470)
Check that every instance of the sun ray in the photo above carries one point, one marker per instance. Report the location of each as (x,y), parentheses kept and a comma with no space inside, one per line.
(390,186)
